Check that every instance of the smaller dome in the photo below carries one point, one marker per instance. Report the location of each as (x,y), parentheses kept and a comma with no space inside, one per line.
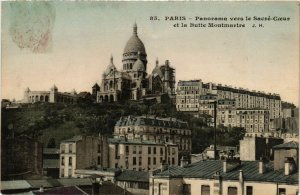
(111,66)
(73,92)
(138,65)
(54,88)
(27,89)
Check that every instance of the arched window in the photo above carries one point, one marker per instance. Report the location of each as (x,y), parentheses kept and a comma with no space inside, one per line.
(46,98)
(111,98)
(111,84)
(106,98)
(41,98)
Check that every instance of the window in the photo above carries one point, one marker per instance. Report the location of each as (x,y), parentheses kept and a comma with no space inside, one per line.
(70,173)
(205,190)
(99,160)
(63,148)
(173,151)
(154,150)
(62,172)
(149,150)
(232,190)
(70,161)
(249,190)
(62,160)
(186,189)
(281,191)
(99,148)
(173,161)
(161,151)
(70,148)
(140,149)
(127,150)
(134,160)
(134,150)
(154,161)
(140,160)
(149,161)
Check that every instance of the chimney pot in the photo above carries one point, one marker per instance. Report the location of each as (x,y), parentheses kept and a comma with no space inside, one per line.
(41,189)
(261,166)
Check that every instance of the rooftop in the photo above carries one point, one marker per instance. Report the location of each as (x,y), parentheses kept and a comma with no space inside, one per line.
(207,169)
(73,139)
(129,175)
(30,184)
(152,121)
(288,145)
(134,141)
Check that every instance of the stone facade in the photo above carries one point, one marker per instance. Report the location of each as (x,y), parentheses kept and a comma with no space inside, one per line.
(235,107)
(81,152)
(52,96)
(253,148)
(133,82)
(154,129)
(140,155)
(213,177)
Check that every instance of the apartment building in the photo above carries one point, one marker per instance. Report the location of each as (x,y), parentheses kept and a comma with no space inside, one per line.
(81,152)
(140,155)
(156,130)
(196,96)
(228,177)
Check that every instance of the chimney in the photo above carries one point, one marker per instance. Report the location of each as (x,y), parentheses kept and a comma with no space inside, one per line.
(184,161)
(289,166)
(41,188)
(230,164)
(261,166)
(241,176)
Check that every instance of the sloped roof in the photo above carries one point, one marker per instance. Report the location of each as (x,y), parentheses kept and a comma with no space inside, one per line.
(50,163)
(129,175)
(50,151)
(63,190)
(288,145)
(14,185)
(206,169)
(137,141)
(141,120)
(73,139)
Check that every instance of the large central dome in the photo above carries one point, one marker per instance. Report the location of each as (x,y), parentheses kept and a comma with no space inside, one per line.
(134,46)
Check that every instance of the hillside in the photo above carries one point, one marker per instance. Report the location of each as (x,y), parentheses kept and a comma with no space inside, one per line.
(51,123)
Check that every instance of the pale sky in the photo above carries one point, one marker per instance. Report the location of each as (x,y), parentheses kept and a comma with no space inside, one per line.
(85,34)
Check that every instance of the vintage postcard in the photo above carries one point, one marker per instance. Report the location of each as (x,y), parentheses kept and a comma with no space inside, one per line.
(150,97)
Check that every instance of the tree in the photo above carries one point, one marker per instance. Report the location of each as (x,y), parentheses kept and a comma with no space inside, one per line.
(51,143)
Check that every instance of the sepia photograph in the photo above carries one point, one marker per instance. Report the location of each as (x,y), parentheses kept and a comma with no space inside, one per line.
(150,97)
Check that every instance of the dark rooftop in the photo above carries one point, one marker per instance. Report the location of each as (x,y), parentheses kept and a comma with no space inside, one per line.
(62,190)
(50,151)
(138,142)
(50,163)
(152,121)
(129,175)
(73,139)
(206,169)
(288,145)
